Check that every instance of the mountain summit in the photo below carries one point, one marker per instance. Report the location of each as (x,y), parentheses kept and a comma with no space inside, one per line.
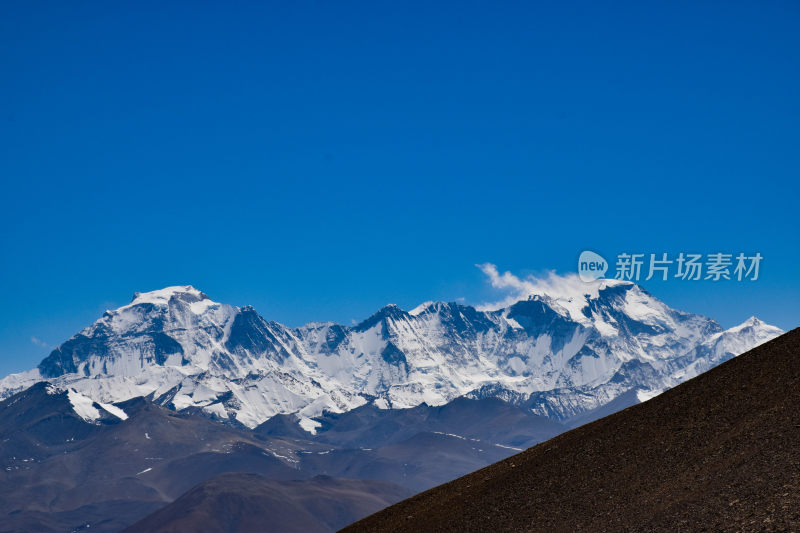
(561,355)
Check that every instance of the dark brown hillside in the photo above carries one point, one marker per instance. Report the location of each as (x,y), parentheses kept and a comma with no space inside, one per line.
(719,452)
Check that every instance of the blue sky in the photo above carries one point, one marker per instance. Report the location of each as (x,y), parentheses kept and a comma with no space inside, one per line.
(318,161)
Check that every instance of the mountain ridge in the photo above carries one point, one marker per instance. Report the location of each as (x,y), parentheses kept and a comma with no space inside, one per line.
(560,355)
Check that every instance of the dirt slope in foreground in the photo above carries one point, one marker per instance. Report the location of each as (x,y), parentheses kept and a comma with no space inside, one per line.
(719,452)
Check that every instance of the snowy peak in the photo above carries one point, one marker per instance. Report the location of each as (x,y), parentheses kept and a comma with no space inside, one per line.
(421,308)
(175,326)
(185,296)
(387,312)
(574,295)
(752,331)
(163,296)
(597,303)
(754,324)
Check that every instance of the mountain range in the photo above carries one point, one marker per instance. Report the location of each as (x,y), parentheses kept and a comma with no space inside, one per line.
(567,355)
(176,410)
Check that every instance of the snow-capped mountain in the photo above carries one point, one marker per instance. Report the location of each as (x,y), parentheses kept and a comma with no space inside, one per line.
(559,354)
(640,379)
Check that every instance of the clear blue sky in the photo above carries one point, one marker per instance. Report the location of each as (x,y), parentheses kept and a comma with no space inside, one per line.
(318,160)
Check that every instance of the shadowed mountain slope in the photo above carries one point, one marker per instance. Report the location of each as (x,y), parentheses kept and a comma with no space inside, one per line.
(719,452)
(68,463)
(248,502)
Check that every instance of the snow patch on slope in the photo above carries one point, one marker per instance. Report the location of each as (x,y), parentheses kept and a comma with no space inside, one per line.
(85,407)
(309,425)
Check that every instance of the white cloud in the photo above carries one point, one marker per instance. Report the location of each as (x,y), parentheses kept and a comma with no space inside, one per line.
(554,285)
(39,342)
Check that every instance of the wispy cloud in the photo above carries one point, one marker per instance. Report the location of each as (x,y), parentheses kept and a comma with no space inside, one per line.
(517,288)
(39,342)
